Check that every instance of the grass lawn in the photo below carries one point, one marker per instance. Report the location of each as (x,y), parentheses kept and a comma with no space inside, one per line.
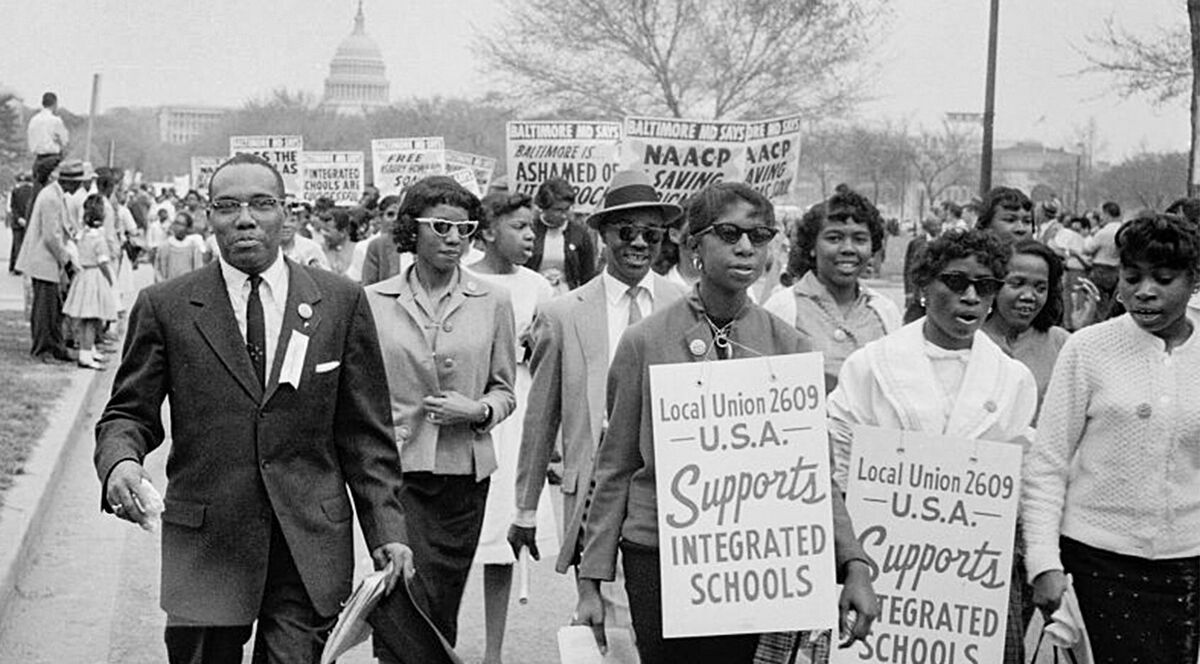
(28,391)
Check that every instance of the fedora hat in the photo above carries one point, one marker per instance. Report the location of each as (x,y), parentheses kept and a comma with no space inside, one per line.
(72,169)
(631,190)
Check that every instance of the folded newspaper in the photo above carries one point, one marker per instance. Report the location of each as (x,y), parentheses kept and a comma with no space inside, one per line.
(352,627)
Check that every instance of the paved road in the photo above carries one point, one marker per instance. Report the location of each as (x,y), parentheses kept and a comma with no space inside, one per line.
(90,593)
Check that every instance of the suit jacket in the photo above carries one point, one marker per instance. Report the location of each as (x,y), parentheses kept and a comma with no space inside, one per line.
(20,203)
(382,260)
(569,364)
(44,250)
(579,253)
(243,456)
(474,354)
(624,505)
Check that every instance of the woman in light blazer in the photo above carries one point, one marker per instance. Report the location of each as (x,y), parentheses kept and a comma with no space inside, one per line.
(448,348)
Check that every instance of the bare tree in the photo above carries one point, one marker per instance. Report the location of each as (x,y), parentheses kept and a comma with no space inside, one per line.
(1163,66)
(940,160)
(1146,180)
(719,59)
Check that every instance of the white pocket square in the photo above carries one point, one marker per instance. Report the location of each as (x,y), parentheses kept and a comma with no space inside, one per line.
(326,367)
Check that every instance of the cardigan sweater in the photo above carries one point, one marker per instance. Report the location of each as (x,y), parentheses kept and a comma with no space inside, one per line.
(1116,460)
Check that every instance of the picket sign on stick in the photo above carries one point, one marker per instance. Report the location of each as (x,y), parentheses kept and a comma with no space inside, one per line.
(281,151)
(334,175)
(745,512)
(482,167)
(582,153)
(202,171)
(937,515)
(399,162)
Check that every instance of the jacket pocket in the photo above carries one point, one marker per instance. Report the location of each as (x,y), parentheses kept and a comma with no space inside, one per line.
(570,480)
(183,513)
(337,509)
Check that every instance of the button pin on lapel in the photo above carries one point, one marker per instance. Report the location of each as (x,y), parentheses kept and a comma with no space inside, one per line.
(989,406)
(697,347)
(306,311)
(471,287)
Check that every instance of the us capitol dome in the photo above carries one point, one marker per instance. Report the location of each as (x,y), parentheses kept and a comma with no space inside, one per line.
(357,79)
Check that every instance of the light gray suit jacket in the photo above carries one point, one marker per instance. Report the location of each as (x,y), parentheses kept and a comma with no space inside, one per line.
(44,252)
(569,366)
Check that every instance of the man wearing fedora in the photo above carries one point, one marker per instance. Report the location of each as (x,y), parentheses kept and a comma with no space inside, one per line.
(574,337)
(46,258)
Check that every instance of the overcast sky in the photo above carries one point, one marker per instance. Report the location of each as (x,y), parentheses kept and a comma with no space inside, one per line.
(930,59)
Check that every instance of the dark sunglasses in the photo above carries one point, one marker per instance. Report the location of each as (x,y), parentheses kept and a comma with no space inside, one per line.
(629,233)
(732,233)
(958,282)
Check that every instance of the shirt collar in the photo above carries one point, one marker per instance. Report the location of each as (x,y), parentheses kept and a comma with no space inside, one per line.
(811,287)
(274,275)
(614,289)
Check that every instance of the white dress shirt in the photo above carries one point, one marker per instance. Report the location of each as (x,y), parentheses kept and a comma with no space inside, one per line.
(47,134)
(273,292)
(616,293)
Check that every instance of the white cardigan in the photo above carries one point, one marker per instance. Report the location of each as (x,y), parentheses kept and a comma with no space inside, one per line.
(890,383)
(1116,460)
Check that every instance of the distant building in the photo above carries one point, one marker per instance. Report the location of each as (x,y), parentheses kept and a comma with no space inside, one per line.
(180,125)
(1025,164)
(357,79)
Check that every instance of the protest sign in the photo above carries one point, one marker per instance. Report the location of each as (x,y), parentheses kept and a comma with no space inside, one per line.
(399,162)
(334,175)
(466,177)
(582,153)
(202,170)
(745,512)
(937,515)
(282,152)
(684,156)
(773,155)
(482,167)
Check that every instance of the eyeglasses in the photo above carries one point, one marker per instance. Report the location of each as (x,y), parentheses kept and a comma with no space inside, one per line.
(630,232)
(958,282)
(732,233)
(441,227)
(231,207)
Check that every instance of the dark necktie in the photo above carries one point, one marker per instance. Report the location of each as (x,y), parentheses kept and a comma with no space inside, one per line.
(256,331)
(635,310)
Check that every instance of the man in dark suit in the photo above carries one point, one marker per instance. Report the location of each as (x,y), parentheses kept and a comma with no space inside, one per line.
(279,402)
(563,250)
(20,205)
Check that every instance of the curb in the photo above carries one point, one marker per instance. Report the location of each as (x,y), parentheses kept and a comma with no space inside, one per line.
(27,499)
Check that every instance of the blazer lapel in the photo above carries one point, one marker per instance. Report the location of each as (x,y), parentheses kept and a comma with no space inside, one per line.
(302,290)
(217,325)
(591,329)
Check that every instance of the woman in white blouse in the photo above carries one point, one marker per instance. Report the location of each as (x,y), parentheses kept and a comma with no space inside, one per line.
(1111,490)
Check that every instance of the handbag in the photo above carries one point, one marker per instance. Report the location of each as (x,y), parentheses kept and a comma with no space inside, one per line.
(1069,655)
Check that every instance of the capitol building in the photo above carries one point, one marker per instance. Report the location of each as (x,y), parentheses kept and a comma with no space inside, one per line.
(357,80)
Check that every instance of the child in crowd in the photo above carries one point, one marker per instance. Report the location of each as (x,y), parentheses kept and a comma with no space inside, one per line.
(180,253)
(92,298)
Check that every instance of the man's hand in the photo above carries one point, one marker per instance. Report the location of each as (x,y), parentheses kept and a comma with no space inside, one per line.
(399,556)
(451,407)
(590,611)
(521,536)
(1048,589)
(857,600)
(123,481)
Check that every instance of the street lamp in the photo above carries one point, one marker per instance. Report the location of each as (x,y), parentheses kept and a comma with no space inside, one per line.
(1078,169)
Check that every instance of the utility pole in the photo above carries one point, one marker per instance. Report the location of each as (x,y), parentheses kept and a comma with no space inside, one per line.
(989,105)
(87,144)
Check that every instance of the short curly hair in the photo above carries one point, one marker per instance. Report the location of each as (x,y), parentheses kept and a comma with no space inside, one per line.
(500,203)
(428,193)
(703,208)
(1001,197)
(1161,239)
(552,191)
(843,204)
(953,245)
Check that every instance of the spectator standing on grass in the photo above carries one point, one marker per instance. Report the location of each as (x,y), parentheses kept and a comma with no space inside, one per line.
(47,139)
(20,202)
(1101,250)
(47,260)
(92,299)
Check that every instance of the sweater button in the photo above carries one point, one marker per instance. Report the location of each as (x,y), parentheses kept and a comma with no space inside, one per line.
(1144,411)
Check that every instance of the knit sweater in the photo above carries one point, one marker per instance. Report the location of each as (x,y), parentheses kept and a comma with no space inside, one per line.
(1116,460)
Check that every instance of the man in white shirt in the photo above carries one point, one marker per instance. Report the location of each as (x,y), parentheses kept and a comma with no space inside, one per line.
(574,337)
(47,136)
(1101,249)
